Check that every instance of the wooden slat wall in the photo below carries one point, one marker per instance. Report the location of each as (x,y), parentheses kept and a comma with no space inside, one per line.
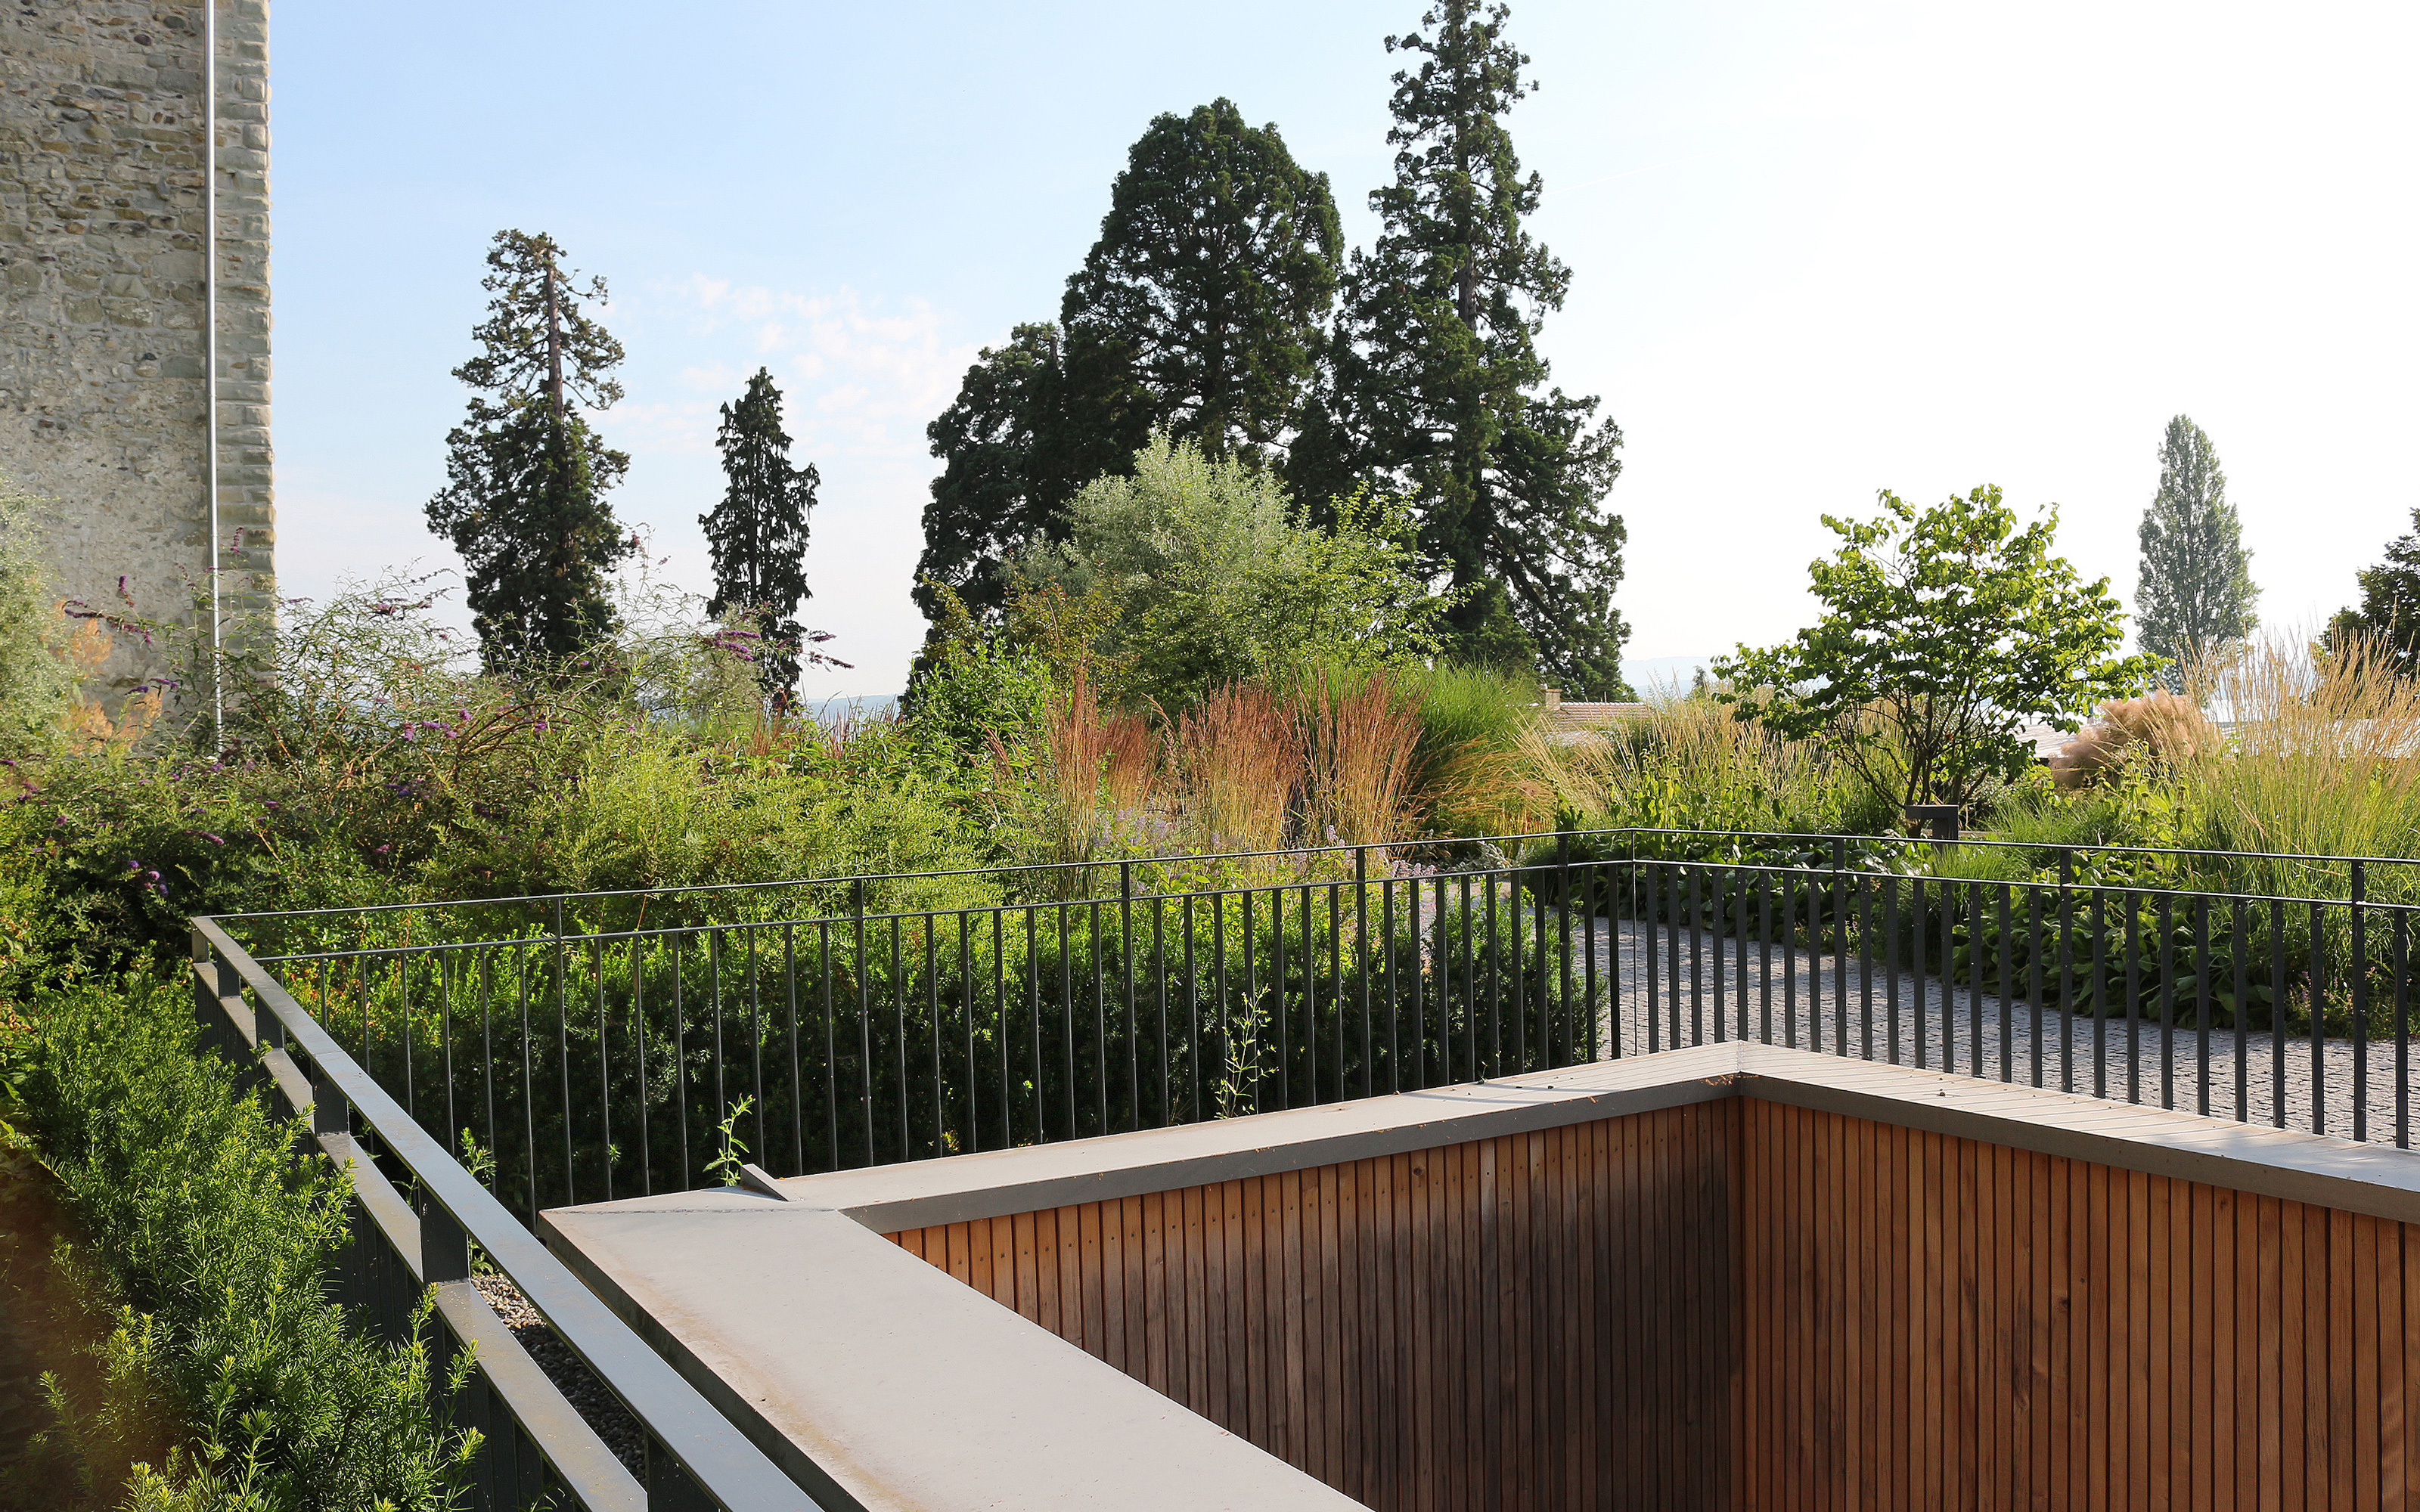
(1743,1303)
(1932,1322)
(1538,1320)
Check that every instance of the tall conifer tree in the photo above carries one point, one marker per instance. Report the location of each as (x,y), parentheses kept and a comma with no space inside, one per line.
(524,500)
(1437,374)
(1210,285)
(1198,312)
(758,532)
(2195,592)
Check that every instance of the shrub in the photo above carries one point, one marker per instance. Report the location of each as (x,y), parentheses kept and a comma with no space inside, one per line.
(208,1215)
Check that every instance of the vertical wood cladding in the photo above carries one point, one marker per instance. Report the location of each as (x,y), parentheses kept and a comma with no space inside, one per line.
(1747,1305)
(1928,1321)
(1533,1320)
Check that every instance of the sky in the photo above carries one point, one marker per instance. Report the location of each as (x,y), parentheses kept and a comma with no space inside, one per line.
(1818,250)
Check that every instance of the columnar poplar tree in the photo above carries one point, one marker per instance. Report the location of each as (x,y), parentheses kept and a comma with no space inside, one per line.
(2194,593)
(1437,375)
(525,475)
(758,532)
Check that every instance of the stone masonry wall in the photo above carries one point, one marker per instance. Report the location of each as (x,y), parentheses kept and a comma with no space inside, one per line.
(101,340)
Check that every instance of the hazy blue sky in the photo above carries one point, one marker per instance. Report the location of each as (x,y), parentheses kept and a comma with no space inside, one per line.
(1819,249)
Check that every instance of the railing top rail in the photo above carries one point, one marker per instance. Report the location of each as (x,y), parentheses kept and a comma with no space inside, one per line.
(716,1454)
(2379,906)
(1302,853)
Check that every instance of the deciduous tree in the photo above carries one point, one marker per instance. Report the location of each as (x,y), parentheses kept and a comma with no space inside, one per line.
(1945,631)
(524,500)
(2389,612)
(2194,593)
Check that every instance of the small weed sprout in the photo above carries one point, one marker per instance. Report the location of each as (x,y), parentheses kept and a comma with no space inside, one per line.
(725,1167)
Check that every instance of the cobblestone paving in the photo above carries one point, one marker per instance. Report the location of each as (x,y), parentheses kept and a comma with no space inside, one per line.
(1816,1005)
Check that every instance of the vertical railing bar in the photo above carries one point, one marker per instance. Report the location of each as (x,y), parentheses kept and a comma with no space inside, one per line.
(604,1072)
(1790,955)
(1392,961)
(1922,1008)
(930,922)
(2034,974)
(831,1045)
(1159,1000)
(1284,1004)
(1125,963)
(2167,1000)
(2133,1002)
(1695,922)
(2099,994)
(2201,1001)
(2239,1020)
(529,1085)
(639,1058)
(1651,924)
(563,1049)
(2319,1020)
(1000,1024)
(1361,960)
(1192,1011)
(2008,1005)
(2402,1028)
(1865,885)
(2359,993)
(797,1092)
(2066,977)
(756,1041)
(1765,957)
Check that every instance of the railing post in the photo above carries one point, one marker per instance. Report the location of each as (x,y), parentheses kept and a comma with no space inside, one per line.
(669,1486)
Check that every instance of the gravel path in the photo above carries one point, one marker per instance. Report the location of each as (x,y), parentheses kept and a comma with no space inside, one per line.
(1814,1005)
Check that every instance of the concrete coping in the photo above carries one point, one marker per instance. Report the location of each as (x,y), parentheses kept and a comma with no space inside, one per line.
(877,1380)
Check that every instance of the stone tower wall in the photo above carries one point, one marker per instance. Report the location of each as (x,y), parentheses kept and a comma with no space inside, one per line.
(101,397)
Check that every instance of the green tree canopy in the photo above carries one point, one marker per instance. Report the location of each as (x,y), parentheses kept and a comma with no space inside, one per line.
(1209,575)
(524,499)
(2389,611)
(1212,280)
(1944,632)
(1436,376)
(758,532)
(2195,592)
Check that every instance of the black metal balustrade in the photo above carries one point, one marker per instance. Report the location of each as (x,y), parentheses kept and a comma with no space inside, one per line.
(571,1050)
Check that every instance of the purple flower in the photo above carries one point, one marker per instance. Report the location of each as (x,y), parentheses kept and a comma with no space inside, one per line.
(134,865)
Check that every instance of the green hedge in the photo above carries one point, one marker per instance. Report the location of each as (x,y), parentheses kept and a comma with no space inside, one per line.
(218,1222)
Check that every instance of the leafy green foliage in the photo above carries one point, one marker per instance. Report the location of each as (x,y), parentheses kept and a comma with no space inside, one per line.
(1945,630)
(2388,616)
(1016,444)
(35,683)
(1215,578)
(2194,595)
(525,475)
(1437,373)
(209,1217)
(758,532)
(1211,281)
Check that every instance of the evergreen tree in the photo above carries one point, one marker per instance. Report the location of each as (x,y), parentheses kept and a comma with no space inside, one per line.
(2389,615)
(1437,375)
(525,475)
(2195,592)
(1197,313)
(1211,282)
(758,532)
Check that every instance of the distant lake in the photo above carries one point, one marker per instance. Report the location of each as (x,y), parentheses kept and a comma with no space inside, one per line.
(851,708)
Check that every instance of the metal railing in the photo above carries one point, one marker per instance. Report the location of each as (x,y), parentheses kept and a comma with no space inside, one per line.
(594,1063)
(574,1063)
(419,1220)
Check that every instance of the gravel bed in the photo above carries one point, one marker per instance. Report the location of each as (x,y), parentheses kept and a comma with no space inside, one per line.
(580,1386)
(1811,1003)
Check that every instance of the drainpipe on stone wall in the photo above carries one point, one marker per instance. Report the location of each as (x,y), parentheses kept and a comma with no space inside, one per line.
(211,345)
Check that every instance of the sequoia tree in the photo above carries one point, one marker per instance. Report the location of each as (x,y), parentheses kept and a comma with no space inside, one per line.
(1437,376)
(2194,593)
(1211,282)
(758,532)
(524,499)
